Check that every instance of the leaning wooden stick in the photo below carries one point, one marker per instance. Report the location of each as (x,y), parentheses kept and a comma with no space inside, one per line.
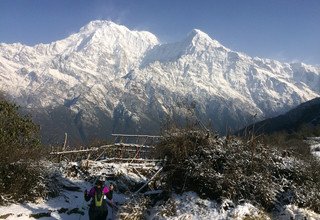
(148,181)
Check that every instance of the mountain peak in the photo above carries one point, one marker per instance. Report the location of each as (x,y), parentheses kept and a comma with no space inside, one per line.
(195,44)
(199,38)
(104,35)
(94,25)
(197,33)
(104,29)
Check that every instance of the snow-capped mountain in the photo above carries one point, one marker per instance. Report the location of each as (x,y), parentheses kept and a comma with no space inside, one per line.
(107,78)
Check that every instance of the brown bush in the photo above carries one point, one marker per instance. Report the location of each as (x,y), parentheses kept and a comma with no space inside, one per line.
(291,143)
(19,136)
(179,144)
(20,182)
(20,148)
(236,169)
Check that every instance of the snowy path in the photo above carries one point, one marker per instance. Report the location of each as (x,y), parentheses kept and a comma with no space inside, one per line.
(187,206)
(68,206)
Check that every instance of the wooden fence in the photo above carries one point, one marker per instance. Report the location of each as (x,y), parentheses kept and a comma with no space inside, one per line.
(126,148)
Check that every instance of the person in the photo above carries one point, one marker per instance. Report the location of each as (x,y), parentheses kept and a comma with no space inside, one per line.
(98,209)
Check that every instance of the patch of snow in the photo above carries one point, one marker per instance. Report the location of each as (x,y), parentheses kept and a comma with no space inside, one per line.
(190,206)
(295,213)
(314,143)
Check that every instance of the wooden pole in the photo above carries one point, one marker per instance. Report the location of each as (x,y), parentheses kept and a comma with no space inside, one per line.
(148,181)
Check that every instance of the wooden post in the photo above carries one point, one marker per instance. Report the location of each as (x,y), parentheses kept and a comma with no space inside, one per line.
(65,141)
(64,145)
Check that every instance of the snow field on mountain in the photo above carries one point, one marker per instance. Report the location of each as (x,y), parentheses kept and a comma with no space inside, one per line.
(198,64)
(114,74)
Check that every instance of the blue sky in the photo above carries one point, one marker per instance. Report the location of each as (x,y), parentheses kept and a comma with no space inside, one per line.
(286,30)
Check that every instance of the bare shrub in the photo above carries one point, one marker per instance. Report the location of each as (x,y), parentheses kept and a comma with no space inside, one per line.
(20,177)
(288,143)
(178,145)
(134,209)
(19,136)
(231,168)
(21,182)
(293,142)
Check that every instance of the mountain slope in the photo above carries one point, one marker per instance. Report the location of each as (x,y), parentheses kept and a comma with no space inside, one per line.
(107,78)
(307,113)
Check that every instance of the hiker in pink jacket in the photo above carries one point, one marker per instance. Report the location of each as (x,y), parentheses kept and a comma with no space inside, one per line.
(98,194)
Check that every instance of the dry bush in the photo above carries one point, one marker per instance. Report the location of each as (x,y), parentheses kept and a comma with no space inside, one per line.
(169,208)
(20,178)
(220,168)
(178,145)
(21,182)
(258,217)
(293,142)
(289,143)
(19,136)
(134,209)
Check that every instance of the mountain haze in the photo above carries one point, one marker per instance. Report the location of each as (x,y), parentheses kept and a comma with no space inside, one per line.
(109,79)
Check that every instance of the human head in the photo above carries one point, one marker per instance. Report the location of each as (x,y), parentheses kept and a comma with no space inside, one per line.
(100,182)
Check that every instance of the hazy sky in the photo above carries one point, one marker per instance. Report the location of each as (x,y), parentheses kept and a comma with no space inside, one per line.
(286,30)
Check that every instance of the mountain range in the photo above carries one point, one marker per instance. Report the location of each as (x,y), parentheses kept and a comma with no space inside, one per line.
(109,79)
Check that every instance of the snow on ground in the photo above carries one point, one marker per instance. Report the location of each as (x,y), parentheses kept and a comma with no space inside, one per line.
(69,200)
(314,146)
(190,206)
(70,205)
(293,212)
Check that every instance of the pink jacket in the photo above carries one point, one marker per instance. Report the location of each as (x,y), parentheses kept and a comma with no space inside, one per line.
(92,191)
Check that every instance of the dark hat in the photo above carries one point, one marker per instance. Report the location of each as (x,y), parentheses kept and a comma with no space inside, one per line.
(100,181)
